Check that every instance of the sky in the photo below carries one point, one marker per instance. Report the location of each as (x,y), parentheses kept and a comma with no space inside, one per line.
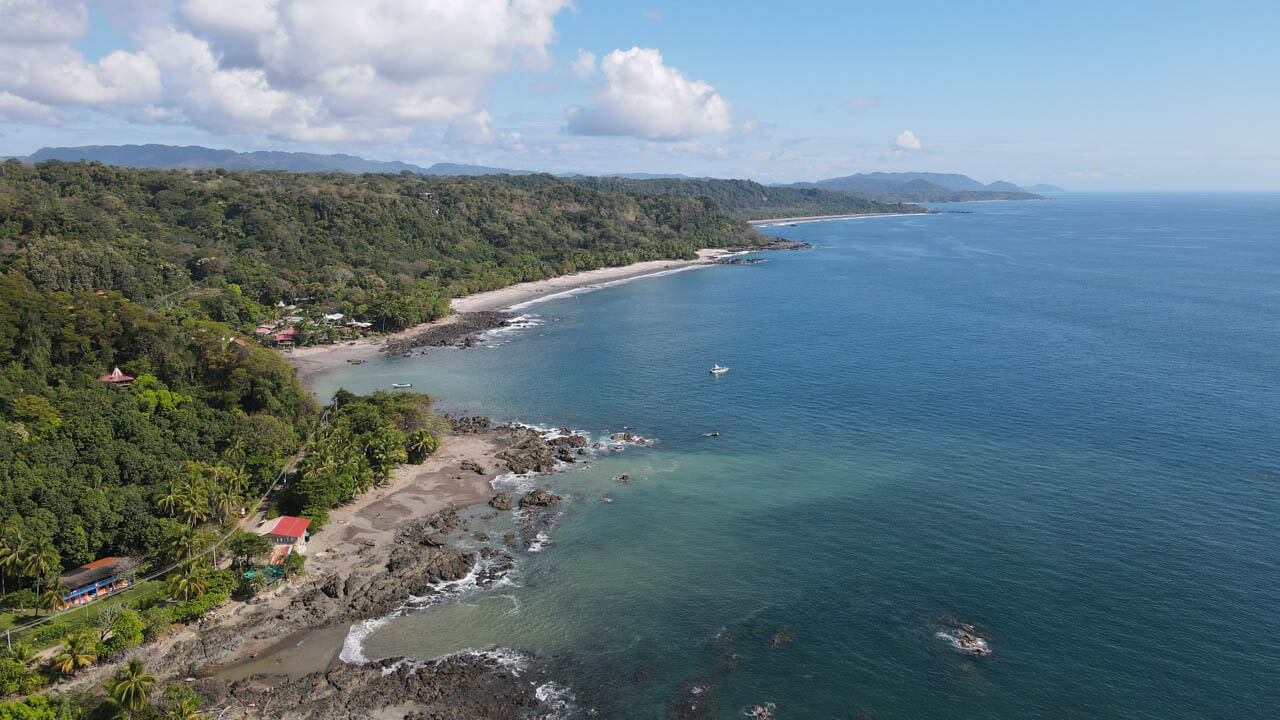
(1117,95)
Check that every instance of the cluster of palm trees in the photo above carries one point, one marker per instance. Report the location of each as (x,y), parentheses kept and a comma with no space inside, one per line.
(37,560)
(206,492)
(343,464)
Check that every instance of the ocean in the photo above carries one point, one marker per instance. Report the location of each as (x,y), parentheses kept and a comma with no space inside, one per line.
(1056,421)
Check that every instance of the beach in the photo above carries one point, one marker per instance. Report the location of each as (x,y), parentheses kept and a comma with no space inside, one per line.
(772,222)
(317,359)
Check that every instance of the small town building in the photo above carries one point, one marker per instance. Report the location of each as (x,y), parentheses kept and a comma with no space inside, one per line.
(284,338)
(333,318)
(100,577)
(117,378)
(286,530)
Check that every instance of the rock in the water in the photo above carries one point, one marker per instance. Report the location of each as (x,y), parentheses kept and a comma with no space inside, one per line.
(501,501)
(780,638)
(539,498)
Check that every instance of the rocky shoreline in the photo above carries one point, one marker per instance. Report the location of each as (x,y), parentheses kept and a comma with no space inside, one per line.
(463,330)
(423,561)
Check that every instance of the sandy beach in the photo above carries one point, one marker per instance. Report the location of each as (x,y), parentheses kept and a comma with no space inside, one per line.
(818,218)
(520,293)
(317,359)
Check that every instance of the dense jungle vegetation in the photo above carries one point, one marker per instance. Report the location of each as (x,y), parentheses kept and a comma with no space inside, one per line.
(389,249)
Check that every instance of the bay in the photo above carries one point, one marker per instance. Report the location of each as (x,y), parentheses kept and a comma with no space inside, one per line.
(1054,420)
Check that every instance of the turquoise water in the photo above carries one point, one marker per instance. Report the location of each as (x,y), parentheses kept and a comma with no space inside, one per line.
(1055,420)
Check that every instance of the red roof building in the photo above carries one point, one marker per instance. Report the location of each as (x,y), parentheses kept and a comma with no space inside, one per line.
(287,530)
(115,377)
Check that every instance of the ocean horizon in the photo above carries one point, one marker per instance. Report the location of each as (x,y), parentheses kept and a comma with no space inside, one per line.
(1052,422)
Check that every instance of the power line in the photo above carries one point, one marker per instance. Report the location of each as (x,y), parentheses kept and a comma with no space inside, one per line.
(211,549)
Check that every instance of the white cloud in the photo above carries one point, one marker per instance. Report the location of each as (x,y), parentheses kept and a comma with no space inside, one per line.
(908,141)
(471,129)
(21,110)
(308,70)
(648,99)
(33,22)
(585,66)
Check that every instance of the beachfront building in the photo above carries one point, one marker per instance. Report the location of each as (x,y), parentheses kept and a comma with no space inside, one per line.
(87,582)
(286,530)
(287,534)
(117,378)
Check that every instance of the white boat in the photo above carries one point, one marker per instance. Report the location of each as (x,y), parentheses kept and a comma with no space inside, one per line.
(401,385)
(717,370)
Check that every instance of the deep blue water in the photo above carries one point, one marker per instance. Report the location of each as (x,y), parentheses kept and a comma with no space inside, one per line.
(1056,420)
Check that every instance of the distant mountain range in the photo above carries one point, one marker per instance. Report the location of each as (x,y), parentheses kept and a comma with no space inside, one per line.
(195,157)
(1042,188)
(880,186)
(920,187)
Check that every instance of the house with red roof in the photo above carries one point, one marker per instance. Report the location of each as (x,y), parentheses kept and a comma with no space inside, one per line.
(285,530)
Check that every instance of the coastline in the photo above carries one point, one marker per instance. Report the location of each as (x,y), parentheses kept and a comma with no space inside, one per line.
(318,359)
(434,530)
(774,222)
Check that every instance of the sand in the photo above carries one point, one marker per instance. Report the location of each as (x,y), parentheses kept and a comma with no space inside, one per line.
(506,297)
(318,359)
(818,218)
(370,521)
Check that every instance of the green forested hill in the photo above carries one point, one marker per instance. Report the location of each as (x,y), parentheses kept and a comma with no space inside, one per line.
(743,199)
(389,248)
(84,464)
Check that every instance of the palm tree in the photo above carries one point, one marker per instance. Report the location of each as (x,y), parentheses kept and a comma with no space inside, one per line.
(41,561)
(194,508)
(22,653)
(237,480)
(51,596)
(186,584)
(223,504)
(182,544)
(184,710)
(235,451)
(132,686)
(77,652)
(421,445)
(13,553)
(172,500)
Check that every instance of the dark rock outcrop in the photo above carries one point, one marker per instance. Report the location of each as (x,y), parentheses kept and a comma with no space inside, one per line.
(539,498)
(464,327)
(501,501)
(469,425)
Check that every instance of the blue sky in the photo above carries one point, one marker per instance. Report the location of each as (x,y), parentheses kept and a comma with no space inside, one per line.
(1089,95)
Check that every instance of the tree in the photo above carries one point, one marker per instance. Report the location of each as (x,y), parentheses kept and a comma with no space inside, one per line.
(51,596)
(41,561)
(171,500)
(186,583)
(421,445)
(13,555)
(248,548)
(108,613)
(293,563)
(77,652)
(132,686)
(22,653)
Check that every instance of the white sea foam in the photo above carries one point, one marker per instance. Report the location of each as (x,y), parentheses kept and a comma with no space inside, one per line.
(555,698)
(783,223)
(353,645)
(597,286)
(540,541)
